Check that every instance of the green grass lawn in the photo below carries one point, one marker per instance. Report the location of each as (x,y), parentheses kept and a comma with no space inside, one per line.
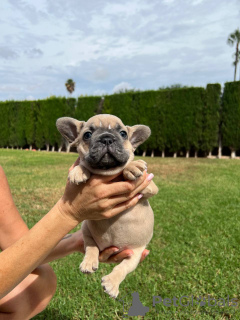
(194,251)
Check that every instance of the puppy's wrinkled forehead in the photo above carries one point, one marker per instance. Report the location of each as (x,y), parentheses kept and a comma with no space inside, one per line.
(104,121)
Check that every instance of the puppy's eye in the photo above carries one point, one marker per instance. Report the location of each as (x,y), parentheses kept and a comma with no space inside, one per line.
(87,135)
(123,134)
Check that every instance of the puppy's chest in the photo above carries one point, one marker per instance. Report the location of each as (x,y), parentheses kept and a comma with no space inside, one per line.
(129,229)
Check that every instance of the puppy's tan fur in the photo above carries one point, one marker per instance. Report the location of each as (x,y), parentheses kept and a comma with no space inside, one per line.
(131,229)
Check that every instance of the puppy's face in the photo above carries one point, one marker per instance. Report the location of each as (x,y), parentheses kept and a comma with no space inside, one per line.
(105,145)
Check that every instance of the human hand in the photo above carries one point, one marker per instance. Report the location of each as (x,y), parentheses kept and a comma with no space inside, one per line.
(111,255)
(108,255)
(101,197)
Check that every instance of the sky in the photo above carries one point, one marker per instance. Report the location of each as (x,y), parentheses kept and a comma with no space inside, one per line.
(107,46)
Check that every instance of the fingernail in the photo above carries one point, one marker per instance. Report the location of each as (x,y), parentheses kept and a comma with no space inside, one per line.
(146,254)
(140,196)
(129,254)
(150,177)
(116,250)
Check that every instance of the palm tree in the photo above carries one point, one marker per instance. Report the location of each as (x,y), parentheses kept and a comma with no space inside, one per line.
(235,38)
(70,85)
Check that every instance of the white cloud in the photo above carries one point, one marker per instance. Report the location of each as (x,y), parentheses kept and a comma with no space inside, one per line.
(122,87)
(7,53)
(30,98)
(99,43)
(169,2)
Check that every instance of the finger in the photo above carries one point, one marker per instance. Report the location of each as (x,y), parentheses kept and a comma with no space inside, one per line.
(120,256)
(113,201)
(143,185)
(99,179)
(123,187)
(121,207)
(76,163)
(144,254)
(105,254)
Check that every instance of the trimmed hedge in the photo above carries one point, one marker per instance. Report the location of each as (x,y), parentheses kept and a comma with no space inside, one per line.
(231,116)
(181,119)
(87,107)
(211,117)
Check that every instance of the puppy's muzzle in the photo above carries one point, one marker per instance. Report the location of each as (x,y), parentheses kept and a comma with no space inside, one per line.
(107,139)
(106,152)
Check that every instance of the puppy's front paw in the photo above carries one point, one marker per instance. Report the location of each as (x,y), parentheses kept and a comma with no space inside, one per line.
(78,174)
(88,265)
(110,285)
(134,169)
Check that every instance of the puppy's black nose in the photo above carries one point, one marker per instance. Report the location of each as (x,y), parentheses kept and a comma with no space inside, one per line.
(107,139)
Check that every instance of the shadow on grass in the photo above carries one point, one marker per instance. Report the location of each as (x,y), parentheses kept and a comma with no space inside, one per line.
(51,314)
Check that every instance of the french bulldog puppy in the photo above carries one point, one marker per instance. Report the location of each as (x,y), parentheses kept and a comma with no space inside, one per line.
(106,146)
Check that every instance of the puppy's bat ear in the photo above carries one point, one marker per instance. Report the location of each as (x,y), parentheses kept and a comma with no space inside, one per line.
(69,128)
(138,134)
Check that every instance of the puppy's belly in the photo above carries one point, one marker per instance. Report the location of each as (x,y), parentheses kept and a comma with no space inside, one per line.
(130,229)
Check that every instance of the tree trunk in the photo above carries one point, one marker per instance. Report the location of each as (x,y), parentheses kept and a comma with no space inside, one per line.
(195,154)
(210,154)
(152,154)
(60,148)
(39,149)
(187,154)
(235,71)
(220,148)
(30,148)
(7,147)
(236,62)
(68,148)
(163,153)
(144,153)
(53,148)
(175,155)
(233,154)
(47,146)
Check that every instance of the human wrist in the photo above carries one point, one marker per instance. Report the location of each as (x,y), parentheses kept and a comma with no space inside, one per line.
(64,210)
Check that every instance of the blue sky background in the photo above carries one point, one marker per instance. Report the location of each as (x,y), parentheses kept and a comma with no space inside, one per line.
(107,45)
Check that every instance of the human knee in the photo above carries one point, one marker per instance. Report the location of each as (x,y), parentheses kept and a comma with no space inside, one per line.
(31,296)
(45,287)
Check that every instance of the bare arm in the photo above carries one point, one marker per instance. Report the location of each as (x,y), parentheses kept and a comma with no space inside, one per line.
(12,226)
(97,199)
(21,258)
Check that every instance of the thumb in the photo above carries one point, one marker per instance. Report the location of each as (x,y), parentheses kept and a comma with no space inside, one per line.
(97,179)
(76,163)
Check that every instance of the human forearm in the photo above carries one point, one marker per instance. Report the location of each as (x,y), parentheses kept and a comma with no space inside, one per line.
(12,226)
(69,244)
(18,260)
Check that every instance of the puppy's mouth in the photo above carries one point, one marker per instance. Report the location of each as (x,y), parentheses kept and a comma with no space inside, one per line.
(107,157)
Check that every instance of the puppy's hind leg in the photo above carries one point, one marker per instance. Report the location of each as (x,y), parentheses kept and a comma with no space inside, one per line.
(90,261)
(112,281)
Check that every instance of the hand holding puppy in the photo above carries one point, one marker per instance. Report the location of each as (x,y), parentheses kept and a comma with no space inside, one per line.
(101,198)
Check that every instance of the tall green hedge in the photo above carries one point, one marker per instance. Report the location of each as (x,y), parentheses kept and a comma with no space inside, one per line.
(181,119)
(4,124)
(87,107)
(30,121)
(174,116)
(231,116)
(211,117)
